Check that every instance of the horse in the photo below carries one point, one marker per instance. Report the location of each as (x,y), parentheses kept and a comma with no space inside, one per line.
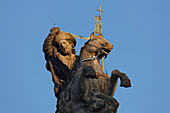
(92,90)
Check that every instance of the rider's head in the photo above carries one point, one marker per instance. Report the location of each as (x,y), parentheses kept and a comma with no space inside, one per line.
(65,43)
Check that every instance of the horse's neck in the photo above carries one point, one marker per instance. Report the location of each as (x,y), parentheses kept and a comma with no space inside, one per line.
(85,55)
(94,63)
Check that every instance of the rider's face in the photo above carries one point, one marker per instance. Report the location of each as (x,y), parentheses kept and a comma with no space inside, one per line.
(65,46)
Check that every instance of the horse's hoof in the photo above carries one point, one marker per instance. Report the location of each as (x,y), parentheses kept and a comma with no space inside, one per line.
(125,83)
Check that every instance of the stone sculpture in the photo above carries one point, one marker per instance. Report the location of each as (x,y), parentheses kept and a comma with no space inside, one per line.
(80,85)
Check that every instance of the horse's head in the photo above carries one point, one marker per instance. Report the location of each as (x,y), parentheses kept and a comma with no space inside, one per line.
(97,45)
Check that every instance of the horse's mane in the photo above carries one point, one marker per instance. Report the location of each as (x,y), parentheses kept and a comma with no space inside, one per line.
(82,48)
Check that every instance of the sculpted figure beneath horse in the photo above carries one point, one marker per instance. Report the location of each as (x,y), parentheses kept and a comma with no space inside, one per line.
(92,90)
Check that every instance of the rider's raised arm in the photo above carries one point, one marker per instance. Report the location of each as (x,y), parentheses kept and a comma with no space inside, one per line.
(48,48)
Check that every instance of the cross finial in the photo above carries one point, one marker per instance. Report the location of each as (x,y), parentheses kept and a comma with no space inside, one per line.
(54,24)
(100,10)
(100,32)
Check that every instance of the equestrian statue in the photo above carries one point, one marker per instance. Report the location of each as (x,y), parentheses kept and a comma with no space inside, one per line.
(80,85)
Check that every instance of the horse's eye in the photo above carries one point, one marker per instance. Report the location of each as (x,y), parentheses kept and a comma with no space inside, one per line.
(105,43)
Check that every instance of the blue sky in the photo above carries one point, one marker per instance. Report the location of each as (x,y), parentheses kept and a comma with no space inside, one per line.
(138,29)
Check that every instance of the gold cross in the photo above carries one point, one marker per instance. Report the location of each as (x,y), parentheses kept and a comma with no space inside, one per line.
(100,32)
(100,10)
(99,20)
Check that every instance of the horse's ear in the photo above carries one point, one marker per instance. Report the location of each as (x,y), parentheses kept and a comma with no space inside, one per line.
(92,36)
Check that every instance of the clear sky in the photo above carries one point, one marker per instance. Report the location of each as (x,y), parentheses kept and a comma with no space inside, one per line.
(138,29)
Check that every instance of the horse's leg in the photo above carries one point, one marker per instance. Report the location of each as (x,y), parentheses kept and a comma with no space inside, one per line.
(81,83)
(80,89)
(89,80)
(112,84)
(77,90)
(125,81)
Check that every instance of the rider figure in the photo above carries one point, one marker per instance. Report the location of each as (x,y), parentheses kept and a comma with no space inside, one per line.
(60,56)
